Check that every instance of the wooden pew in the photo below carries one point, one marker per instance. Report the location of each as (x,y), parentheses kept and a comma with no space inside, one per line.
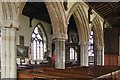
(78,73)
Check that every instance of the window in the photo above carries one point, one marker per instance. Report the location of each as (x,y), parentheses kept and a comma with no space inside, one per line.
(90,49)
(38,43)
(73,54)
(73,41)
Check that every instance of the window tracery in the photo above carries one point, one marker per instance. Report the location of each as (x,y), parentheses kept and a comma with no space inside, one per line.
(38,43)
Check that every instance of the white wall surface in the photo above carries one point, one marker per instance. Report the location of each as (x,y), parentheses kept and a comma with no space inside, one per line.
(26,31)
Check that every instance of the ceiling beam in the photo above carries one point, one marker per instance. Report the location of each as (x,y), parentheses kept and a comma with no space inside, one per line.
(112,6)
(115,13)
(101,7)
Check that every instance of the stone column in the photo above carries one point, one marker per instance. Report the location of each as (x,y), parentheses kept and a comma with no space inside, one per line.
(60,53)
(3,53)
(99,56)
(102,56)
(7,50)
(83,54)
(8,53)
(13,55)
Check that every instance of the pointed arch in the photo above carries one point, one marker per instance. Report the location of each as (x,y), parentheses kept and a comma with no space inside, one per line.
(99,44)
(42,30)
(38,42)
(57,15)
(81,21)
(98,31)
(55,9)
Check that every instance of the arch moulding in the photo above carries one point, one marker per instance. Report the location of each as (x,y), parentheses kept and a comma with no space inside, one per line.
(12,11)
(81,21)
(96,25)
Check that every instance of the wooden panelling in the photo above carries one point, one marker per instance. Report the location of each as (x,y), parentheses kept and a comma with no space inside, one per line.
(119,60)
(111,59)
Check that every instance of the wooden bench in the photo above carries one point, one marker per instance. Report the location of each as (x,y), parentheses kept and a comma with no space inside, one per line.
(76,73)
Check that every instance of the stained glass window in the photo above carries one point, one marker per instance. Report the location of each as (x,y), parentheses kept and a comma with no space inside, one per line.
(90,49)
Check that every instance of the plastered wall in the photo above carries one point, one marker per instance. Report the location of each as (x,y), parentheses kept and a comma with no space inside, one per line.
(26,31)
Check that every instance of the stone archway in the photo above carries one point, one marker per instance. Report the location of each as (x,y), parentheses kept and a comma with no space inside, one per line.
(58,19)
(98,31)
(10,13)
(81,21)
(9,23)
(83,30)
(99,44)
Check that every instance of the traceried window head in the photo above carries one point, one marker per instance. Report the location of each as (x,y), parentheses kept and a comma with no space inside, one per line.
(38,43)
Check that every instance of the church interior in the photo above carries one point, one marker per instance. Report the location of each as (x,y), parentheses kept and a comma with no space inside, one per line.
(60,40)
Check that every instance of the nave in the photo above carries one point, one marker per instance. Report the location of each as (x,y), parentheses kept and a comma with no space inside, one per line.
(75,32)
(72,72)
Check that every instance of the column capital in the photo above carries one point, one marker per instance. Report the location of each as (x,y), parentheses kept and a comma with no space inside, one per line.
(9,23)
(60,36)
(59,39)
(83,43)
(9,28)
(99,48)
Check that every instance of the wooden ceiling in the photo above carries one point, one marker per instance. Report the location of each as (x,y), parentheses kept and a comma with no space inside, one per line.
(110,11)
(36,10)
